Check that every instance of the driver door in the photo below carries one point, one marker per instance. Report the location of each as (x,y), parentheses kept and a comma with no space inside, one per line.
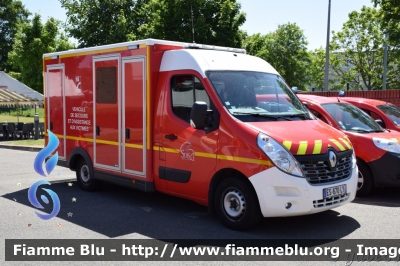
(190,154)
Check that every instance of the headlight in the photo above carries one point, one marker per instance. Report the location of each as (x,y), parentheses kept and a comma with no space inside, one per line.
(387,144)
(353,160)
(279,155)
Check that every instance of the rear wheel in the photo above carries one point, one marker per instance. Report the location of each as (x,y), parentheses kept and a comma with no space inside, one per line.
(236,204)
(84,178)
(365,181)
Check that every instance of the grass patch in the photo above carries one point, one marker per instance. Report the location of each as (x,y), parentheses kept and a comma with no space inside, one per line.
(25,142)
(11,118)
(24,115)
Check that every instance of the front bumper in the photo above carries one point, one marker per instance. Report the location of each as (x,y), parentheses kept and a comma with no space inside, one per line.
(275,189)
(386,170)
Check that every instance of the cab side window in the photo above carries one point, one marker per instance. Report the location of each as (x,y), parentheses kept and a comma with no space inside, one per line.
(375,116)
(185,90)
(319,116)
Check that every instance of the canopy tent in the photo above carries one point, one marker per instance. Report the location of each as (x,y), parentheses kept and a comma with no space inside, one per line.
(8,98)
(12,90)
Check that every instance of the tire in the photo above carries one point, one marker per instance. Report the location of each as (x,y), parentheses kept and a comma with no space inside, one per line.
(84,178)
(246,211)
(365,181)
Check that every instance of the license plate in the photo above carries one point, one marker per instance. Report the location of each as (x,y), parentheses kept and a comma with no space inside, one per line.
(334,191)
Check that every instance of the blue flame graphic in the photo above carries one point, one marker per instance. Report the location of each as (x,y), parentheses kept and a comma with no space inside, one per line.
(32,198)
(46,151)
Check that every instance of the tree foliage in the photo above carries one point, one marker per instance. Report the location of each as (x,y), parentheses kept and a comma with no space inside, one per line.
(359,48)
(286,50)
(390,12)
(215,22)
(339,73)
(32,40)
(99,22)
(316,71)
(12,12)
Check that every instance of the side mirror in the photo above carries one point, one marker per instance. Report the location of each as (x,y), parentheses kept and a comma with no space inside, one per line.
(199,116)
(295,90)
(380,122)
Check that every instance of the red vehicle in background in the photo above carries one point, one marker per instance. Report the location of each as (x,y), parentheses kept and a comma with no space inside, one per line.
(385,114)
(377,150)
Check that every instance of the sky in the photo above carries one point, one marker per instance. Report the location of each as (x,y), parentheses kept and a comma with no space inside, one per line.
(262,16)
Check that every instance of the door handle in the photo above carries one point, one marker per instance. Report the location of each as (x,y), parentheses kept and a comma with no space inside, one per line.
(97,131)
(127,133)
(171,137)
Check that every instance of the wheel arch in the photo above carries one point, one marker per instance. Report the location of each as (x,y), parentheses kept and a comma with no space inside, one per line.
(361,161)
(365,189)
(75,157)
(218,178)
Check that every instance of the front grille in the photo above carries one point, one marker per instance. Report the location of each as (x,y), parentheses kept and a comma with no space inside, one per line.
(330,201)
(318,171)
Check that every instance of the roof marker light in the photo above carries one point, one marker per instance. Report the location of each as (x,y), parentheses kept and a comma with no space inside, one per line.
(133,47)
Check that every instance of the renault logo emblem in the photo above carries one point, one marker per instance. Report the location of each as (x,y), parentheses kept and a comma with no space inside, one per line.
(332,159)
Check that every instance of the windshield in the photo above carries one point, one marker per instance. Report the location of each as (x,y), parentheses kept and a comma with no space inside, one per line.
(351,118)
(257,94)
(391,111)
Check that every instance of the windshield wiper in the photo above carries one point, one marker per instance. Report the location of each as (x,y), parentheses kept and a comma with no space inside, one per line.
(358,129)
(265,115)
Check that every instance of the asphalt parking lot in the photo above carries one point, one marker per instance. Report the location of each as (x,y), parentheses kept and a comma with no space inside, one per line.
(120,213)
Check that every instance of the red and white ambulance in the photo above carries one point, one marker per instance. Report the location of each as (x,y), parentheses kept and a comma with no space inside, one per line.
(210,124)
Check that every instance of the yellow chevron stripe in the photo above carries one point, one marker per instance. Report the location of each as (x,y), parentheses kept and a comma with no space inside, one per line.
(337,143)
(317,147)
(345,142)
(287,144)
(302,147)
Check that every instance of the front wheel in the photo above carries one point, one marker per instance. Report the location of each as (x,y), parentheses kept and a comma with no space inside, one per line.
(84,178)
(365,181)
(236,204)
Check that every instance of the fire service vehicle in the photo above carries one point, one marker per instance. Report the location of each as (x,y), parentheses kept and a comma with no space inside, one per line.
(209,124)
(377,150)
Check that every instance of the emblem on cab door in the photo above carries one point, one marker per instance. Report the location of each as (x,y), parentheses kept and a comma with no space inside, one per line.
(332,159)
(186,152)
